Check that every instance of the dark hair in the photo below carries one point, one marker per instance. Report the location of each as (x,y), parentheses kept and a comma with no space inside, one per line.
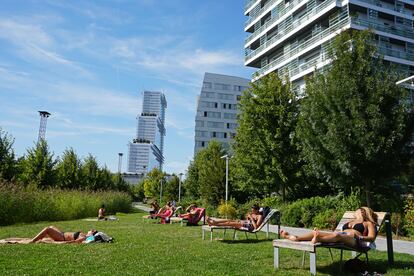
(103,206)
(255,207)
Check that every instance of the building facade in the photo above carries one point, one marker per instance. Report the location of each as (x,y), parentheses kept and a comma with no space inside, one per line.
(146,151)
(217,108)
(291,37)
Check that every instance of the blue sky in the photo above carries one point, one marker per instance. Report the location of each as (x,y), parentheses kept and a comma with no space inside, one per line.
(87,62)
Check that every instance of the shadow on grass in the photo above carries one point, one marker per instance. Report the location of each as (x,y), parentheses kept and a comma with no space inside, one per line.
(379,266)
(246,241)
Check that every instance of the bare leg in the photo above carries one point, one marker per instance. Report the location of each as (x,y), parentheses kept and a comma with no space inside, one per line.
(52,232)
(336,237)
(305,237)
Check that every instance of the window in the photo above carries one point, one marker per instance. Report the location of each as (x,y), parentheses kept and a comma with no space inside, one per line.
(221,86)
(215,105)
(225,96)
(224,106)
(215,124)
(207,94)
(212,114)
(208,104)
(199,133)
(213,134)
(238,97)
(207,85)
(239,88)
(203,143)
(230,116)
(225,135)
(199,123)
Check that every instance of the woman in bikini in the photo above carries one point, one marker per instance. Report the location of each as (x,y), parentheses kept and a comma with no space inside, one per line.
(354,232)
(57,235)
(254,220)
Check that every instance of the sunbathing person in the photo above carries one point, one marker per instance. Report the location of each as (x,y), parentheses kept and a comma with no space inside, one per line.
(190,212)
(354,232)
(155,208)
(58,235)
(101,213)
(254,220)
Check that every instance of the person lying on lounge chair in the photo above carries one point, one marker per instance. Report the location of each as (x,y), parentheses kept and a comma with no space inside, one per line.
(252,222)
(190,212)
(354,232)
(60,236)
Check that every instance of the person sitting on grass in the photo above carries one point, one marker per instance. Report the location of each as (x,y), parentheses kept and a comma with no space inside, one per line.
(57,235)
(101,213)
(252,222)
(354,233)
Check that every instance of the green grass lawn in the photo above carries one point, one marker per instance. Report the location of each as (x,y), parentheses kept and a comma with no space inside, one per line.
(143,248)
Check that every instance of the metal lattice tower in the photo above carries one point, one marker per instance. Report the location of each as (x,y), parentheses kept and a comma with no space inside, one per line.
(42,128)
(120,162)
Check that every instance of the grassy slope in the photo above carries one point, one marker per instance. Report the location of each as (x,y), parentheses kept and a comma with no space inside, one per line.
(149,248)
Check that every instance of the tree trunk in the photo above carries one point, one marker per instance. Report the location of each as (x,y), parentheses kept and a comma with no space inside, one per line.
(283,192)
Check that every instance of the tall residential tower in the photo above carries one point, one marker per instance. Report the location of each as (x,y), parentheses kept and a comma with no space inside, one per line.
(217,109)
(146,151)
(291,37)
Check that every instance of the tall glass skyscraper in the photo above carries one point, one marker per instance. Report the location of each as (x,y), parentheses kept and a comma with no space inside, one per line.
(217,108)
(145,152)
(291,37)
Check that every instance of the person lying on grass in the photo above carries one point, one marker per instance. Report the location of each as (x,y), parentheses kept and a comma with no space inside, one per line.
(60,236)
(354,233)
(252,222)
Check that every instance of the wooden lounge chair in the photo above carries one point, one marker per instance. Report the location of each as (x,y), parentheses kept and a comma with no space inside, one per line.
(273,213)
(307,246)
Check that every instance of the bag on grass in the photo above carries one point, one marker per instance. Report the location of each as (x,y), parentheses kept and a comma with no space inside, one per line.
(102,237)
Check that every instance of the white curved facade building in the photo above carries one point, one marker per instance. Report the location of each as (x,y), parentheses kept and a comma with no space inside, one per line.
(291,37)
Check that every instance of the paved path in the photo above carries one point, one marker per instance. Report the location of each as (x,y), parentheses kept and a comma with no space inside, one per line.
(381,242)
(398,245)
(140,206)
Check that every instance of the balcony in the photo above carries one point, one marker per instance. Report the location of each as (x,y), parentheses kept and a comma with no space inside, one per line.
(293,69)
(401,11)
(280,13)
(381,27)
(314,41)
(249,3)
(260,12)
(292,28)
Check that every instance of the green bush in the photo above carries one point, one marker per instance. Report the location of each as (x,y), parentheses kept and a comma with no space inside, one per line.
(326,220)
(227,210)
(28,204)
(409,216)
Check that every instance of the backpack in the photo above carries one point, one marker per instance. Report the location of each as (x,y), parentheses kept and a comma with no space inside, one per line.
(265,211)
(102,237)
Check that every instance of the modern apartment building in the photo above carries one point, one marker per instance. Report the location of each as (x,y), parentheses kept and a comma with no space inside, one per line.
(217,109)
(291,37)
(145,152)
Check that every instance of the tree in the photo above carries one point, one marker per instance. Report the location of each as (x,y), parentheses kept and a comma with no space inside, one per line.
(90,173)
(211,173)
(8,162)
(355,125)
(39,166)
(191,185)
(171,188)
(152,183)
(69,170)
(265,155)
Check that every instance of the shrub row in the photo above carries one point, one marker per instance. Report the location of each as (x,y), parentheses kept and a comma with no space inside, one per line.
(29,204)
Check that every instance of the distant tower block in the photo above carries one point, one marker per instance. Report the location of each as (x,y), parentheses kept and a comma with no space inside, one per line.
(42,129)
(120,162)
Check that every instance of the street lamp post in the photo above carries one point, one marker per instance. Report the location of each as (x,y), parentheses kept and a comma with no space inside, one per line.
(179,187)
(227,175)
(160,190)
